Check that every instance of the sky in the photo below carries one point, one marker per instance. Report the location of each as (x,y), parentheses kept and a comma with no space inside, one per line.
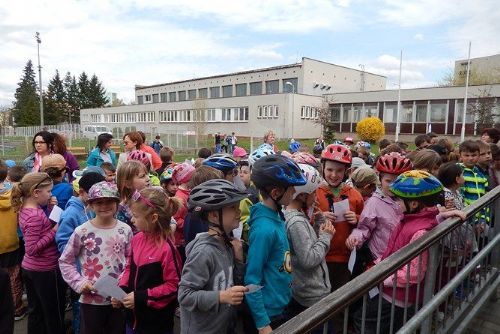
(126,42)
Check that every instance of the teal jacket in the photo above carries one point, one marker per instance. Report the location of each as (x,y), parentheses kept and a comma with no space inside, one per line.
(268,265)
(95,158)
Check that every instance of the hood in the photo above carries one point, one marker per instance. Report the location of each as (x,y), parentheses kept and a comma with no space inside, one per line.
(5,198)
(75,202)
(203,240)
(259,210)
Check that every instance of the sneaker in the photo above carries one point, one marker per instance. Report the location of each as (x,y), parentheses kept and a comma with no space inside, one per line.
(21,315)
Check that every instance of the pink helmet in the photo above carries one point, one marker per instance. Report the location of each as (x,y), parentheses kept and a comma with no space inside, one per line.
(239,152)
(182,173)
(141,157)
(305,158)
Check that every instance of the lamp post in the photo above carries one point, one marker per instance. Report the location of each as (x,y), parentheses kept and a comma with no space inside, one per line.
(288,83)
(39,41)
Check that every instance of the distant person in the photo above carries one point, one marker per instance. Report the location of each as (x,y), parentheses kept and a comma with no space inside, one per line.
(320,142)
(270,139)
(422,141)
(102,151)
(157,144)
(60,148)
(204,153)
(217,143)
(433,138)
(490,135)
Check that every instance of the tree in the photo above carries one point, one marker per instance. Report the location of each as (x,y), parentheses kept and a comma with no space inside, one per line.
(72,98)
(55,100)
(27,105)
(483,110)
(476,77)
(96,93)
(325,119)
(370,129)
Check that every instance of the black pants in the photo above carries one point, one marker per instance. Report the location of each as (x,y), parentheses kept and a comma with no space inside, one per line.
(46,301)
(339,275)
(101,319)
(6,304)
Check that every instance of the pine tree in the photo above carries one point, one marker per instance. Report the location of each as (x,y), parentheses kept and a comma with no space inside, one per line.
(27,105)
(56,97)
(97,93)
(84,89)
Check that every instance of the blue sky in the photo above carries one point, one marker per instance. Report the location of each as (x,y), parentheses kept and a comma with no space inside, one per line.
(129,42)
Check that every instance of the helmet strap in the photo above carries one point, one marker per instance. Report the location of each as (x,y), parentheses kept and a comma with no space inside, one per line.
(276,201)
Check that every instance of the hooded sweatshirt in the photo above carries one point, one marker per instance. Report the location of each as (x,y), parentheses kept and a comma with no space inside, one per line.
(210,268)
(310,274)
(268,265)
(9,240)
(73,216)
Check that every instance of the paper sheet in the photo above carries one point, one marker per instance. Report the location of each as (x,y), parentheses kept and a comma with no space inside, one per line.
(340,208)
(373,292)
(108,286)
(238,231)
(352,260)
(55,214)
(253,288)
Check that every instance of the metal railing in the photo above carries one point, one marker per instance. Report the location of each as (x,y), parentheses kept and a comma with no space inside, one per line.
(461,274)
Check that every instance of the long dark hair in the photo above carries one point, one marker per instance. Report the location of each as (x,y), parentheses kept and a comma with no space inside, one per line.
(59,143)
(48,138)
(102,139)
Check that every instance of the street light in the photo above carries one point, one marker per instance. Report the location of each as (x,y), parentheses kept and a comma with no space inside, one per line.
(288,83)
(39,41)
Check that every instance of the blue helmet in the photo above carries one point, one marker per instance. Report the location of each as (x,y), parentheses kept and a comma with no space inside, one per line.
(277,170)
(222,162)
(294,147)
(261,151)
(416,184)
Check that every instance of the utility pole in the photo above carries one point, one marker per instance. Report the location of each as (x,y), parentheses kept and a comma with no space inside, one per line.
(464,114)
(399,97)
(39,41)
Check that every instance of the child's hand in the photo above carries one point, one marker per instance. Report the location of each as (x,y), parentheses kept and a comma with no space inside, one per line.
(352,242)
(53,201)
(128,301)
(454,213)
(56,226)
(327,227)
(116,303)
(329,216)
(233,295)
(265,330)
(87,287)
(350,217)
(238,249)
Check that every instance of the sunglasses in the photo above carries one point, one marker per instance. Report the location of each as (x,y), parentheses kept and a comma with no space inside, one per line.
(136,196)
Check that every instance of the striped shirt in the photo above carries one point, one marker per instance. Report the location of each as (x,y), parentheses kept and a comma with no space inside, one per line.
(474,188)
(39,240)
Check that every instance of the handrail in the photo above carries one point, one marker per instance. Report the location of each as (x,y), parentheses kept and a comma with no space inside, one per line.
(356,288)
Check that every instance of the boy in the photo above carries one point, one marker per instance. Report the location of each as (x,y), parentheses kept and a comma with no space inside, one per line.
(211,278)
(157,144)
(268,262)
(422,141)
(16,173)
(167,159)
(365,181)
(484,161)
(110,171)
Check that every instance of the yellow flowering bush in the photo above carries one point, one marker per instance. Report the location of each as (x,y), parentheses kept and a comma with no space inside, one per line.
(370,129)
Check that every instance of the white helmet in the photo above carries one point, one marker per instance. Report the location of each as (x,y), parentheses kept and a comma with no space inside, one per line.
(261,151)
(313,178)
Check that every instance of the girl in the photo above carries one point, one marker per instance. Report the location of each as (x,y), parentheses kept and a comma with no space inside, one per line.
(452,177)
(131,176)
(100,248)
(154,266)
(44,285)
(60,148)
(166,182)
(426,160)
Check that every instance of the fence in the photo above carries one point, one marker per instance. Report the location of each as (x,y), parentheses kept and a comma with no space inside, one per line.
(453,289)
(71,130)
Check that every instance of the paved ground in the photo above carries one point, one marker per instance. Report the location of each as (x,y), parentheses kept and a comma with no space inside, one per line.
(488,319)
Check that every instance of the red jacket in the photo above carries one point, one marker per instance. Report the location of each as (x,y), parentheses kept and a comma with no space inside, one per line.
(338,250)
(155,158)
(180,216)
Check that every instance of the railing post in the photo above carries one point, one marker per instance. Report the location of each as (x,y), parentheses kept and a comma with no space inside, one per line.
(430,281)
(495,254)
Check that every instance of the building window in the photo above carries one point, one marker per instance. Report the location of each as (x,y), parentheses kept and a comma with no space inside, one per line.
(276,112)
(459,110)
(155,98)
(163,97)
(227,91)
(371,110)
(172,96)
(203,93)
(241,89)
(210,115)
(140,99)
(289,88)
(272,87)
(147,98)
(214,92)
(438,111)
(421,113)
(346,111)
(192,94)
(406,113)
(182,95)
(256,88)
(259,112)
(390,112)
(265,114)
(226,114)
(335,113)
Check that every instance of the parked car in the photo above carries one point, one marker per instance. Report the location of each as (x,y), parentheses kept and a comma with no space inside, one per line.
(92,131)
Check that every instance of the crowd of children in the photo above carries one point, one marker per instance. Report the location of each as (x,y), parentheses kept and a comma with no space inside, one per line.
(227,243)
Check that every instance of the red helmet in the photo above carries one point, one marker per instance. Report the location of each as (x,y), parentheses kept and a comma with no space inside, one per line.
(393,163)
(338,153)
(305,158)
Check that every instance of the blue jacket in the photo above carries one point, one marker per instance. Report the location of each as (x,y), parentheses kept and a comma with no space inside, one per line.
(73,216)
(268,265)
(95,158)
(63,191)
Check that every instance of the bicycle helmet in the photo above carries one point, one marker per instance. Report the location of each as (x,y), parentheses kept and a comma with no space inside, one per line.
(363,144)
(222,162)
(393,163)
(317,149)
(313,179)
(305,158)
(141,157)
(416,184)
(261,151)
(276,170)
(166,175)
(349,140)
(338,153)
(239,152)
(182,173)
(294,147)
(213,195)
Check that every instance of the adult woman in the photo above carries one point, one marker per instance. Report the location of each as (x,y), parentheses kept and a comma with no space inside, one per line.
(60,148)
(132,141)
(102,152)
(270,138)
(490,135)
(43,144)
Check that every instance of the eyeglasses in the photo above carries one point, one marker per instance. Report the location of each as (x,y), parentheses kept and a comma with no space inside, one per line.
(39,183)
(40,142)
(136,196)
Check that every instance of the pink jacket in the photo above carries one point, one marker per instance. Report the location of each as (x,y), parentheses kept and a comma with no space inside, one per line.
(180,215)
(377,221)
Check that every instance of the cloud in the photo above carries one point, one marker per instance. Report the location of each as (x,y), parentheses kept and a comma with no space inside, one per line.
(418,37)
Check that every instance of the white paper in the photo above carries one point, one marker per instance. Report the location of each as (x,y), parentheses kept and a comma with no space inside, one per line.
(55,214)
(107,286)
(238,231)
(373,292)
(340,208)
(253,288)
(352,260)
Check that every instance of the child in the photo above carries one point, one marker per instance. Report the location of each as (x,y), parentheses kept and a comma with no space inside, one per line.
(495,166)
(99,247)
(55,166)
(268,262)
(253,198)
(167,183)
(418,193)
(42,278)
(154,266)
(109,171)
(336,160)
(310,281)
(426,160)
(365,180)
(225,163)
(167,159)
(16,173)
(484,161)
(239,154)
(212,275)
(380,215)
(131,176)
(10,253)
(452,177)
(143,158)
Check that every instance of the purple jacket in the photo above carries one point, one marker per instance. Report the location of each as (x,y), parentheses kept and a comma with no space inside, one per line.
(71,163)
(377,221)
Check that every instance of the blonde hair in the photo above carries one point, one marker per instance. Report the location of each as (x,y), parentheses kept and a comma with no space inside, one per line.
(425,159)
(164,206)
(29,183)
(267,134)
(125,173)
(203,174)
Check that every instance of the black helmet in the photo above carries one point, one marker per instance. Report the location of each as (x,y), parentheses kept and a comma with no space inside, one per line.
(214,195)
(276,170)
